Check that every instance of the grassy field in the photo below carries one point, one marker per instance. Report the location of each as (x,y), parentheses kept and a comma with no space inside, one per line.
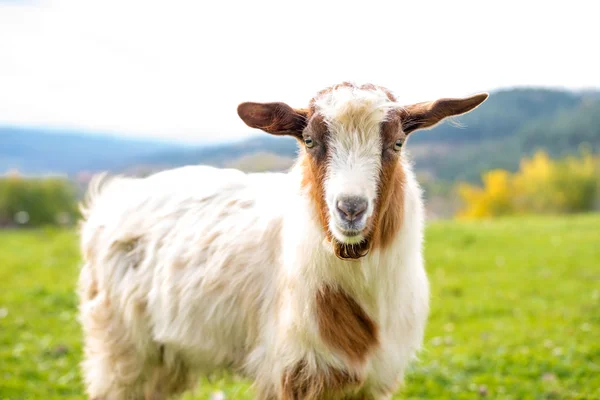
(515,314)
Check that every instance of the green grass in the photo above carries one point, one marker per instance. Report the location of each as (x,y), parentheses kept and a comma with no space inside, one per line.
(515,313)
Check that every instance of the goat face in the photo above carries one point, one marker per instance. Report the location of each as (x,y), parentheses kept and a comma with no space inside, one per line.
(352,138)
(346,141)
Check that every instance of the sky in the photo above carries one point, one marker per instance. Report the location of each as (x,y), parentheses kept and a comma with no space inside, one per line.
(177,70)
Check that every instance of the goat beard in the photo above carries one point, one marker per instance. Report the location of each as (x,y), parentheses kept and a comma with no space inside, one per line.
(349,252)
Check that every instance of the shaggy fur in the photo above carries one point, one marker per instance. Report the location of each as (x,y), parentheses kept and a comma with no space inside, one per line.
(198,268)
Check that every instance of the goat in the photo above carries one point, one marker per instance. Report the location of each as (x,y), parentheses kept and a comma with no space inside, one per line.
(311,283)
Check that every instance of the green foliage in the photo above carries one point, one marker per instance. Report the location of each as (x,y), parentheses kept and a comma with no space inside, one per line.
(35,202)
(541,186)
(514,314)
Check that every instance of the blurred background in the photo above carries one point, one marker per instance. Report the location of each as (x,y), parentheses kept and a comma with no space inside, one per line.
(512,189)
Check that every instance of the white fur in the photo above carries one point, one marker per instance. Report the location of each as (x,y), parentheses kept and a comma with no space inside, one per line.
(200,268)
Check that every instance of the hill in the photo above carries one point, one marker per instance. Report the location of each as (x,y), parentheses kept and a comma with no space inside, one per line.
(512,123)
(504,112)
(509,125)
(225,154)
(40,150)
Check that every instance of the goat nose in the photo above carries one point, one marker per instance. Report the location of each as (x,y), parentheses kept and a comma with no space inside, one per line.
(351,208)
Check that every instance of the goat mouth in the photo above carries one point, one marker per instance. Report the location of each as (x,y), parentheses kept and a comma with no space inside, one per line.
(349,236)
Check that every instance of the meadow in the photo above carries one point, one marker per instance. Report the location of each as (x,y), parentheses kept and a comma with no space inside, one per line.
(515,314)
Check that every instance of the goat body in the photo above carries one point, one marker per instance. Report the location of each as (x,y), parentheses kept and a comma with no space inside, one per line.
(197,269)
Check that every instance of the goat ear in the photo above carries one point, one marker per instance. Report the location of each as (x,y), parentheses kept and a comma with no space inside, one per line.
(427,114)
(274,118)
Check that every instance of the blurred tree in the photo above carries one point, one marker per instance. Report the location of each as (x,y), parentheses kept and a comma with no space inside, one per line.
(34,202)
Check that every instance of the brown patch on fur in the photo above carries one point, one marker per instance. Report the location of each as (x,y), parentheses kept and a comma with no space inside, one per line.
(299,383)
(314,163)
(389,211)
(344,325)
(312,181)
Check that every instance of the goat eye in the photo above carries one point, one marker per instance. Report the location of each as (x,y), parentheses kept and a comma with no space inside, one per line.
(398,144)
(309,142)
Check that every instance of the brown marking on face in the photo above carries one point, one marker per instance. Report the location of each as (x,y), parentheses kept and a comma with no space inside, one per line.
(300,383)
(314,167)
(344,325)
(389,210)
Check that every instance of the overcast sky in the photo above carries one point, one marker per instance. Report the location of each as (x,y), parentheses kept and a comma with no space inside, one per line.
(178,69)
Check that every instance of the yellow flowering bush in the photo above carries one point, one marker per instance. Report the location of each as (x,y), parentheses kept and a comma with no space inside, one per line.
(540,186)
